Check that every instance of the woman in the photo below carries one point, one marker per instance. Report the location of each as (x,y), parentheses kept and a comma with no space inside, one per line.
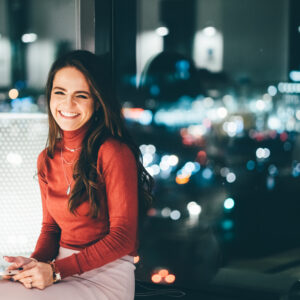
(92,186)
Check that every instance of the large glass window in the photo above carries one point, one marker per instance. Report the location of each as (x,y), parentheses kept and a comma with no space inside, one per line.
(32,34)
(213,99)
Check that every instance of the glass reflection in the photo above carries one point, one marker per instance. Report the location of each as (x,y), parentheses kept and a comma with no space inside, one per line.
(224,101)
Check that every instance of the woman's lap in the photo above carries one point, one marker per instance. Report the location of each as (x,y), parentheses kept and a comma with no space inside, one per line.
(113,281)
(67,289)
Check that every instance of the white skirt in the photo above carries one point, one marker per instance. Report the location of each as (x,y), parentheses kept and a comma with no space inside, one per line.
(113,281)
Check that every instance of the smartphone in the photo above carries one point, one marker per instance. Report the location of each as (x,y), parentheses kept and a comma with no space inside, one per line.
(9,272)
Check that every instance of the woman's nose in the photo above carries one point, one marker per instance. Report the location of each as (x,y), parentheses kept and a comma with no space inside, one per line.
(69,101)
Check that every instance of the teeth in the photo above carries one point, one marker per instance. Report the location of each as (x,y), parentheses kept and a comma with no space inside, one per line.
(67,114)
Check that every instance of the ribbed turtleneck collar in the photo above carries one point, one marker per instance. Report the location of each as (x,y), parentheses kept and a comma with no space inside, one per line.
(73,139)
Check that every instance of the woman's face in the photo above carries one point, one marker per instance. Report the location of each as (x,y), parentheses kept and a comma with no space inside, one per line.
(71,102)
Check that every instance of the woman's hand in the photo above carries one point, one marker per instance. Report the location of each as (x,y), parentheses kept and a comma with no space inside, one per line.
(16,263)
(35,274)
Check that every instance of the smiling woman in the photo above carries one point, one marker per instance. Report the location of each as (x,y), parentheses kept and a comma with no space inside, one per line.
(92,183)
(71,104)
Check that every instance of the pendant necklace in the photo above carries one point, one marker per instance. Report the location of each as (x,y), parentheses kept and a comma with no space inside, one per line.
(66,177)
(68,163)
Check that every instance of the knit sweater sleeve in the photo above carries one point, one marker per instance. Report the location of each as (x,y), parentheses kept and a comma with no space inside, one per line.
(118,167)
(48,242)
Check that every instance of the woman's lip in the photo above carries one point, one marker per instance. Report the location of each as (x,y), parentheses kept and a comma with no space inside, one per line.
(73,117)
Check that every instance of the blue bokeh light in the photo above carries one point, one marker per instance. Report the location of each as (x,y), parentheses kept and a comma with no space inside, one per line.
(229,204)
(250,165)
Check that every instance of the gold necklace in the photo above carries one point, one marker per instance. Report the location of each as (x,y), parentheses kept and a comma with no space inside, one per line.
(66,177)
(67,162)
(72,150)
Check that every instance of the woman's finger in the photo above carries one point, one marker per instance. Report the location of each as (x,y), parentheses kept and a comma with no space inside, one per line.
(9,258)
(13,266)
(23,274)
(6,277)
(15,262)
(27,281)
(29,265)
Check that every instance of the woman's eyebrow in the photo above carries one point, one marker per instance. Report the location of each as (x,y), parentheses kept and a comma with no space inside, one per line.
(60,88)
(84,92)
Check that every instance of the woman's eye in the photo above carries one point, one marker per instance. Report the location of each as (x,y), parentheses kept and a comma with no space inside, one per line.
(58,93)
(82,96)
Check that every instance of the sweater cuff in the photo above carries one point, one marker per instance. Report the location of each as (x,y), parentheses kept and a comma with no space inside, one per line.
(68,266)
(39,258)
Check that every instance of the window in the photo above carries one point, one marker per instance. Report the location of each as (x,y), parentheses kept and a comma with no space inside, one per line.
(210,89)
(32,34)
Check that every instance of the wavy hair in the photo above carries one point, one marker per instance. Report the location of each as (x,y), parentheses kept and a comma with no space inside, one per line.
(107,121)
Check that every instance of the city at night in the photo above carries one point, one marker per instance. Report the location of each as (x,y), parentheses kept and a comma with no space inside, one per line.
(210,92)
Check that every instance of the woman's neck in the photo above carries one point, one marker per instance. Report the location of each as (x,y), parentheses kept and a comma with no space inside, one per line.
(73,139)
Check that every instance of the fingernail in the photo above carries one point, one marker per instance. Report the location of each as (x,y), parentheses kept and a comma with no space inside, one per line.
(20,268)
(11,279)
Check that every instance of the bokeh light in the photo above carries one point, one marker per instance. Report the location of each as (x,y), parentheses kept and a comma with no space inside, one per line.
(263,153)
(14,158)
(194,208)
(156,278)
(13,93)
(250,165)
(163,272)
(170,278)
(162,31)
(207,173)
(175,215)
(181,179)
(29,37)
(165,212)
(229,203)
(230,177)
(272,90)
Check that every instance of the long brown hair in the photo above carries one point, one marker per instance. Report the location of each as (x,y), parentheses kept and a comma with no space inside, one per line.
(107,121)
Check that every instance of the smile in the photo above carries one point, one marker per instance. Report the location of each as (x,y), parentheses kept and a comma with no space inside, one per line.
(66,114)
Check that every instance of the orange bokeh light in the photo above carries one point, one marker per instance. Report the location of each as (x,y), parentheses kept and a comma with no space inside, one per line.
(163,272)
(132,113)
(136,259)
(156,278)
(170,278)
(182,179)
(13,94)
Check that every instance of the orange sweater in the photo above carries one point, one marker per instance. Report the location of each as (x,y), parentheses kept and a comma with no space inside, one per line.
(101,240)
